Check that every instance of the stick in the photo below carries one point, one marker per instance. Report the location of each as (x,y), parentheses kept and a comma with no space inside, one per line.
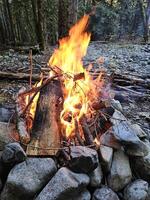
(31,67)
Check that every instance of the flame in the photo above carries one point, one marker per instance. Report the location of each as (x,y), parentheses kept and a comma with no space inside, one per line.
(77,84)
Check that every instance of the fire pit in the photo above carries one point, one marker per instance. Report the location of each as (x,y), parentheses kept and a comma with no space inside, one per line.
(78,142)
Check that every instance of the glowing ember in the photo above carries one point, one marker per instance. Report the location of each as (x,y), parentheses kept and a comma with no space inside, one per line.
(78,87)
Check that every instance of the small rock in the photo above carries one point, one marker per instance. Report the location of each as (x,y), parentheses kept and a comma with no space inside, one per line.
(140,133)
(96,176)
(104,193)
(137,190)
(109,140)
(28,178)
(64,185)
(124,133)
(13,153)
(106,154)
(83,159)
(120,173)
(117,105)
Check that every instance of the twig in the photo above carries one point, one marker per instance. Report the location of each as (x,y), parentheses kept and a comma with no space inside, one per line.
(31,67)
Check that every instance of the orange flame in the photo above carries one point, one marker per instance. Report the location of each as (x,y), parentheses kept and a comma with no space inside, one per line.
(77,91)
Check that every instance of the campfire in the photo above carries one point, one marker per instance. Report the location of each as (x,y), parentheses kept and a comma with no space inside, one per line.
(75,134)
(64,108)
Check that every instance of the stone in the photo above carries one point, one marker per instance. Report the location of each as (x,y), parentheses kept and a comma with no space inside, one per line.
(124,133)
(83,159)
(28,178)
(104,193)
(117,105)
(64,185)
(109,140)
(120,173)
(139,131)
(148,195)
(106,154)
(137,190)
(13,153)
(96,177)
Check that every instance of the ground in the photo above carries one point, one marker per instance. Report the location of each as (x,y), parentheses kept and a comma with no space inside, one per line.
(120,58)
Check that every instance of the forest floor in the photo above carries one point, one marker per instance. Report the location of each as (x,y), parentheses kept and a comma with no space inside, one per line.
(119,58)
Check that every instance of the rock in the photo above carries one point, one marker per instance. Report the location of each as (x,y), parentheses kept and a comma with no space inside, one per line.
(148,195)
(83,159)
(13,153)
(96,176)
(124,133)
(143,163)
(28,178)
(104,193)
(120,173)
(64,185)
(140,133)
(117,105)
(106,154)
(109,140)
(137,190)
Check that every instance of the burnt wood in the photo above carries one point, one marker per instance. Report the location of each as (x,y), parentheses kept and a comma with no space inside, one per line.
(45,136)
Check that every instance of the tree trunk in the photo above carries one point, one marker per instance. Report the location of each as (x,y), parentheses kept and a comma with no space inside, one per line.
(72,12)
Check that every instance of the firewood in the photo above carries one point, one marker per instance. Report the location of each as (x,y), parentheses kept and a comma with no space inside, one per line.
(45,136)
(86,131)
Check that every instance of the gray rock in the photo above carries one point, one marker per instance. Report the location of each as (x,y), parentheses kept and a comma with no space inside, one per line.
(106,154)
(28,178)
(137,190)
(124,133)
(64,185)
(148,195)
(120,173)
(83,159)
(13,153)
(104,193)
(109,140)
(138,130)
(117,105)
(96,176)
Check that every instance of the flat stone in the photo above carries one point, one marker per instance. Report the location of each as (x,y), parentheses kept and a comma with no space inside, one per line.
(125,134)
(64,185)
(139,131)
(106,154)
(137,190)
(120,173)
(104,193)
(28,178)
(13,153)
(96,177)
(83,159)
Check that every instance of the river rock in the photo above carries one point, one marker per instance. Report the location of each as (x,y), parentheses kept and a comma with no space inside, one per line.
(137,190)
(104,193)
(120,173)
(28,178)
(64,185)
(96,176)
(13,153)
(106,154)
(125,134)
(83,159)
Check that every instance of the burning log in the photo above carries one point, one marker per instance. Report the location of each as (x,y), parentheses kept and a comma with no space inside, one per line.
(45,138)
